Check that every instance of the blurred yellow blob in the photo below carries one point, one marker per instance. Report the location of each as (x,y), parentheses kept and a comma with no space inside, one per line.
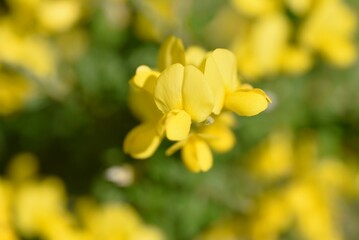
(156,18)
(34,207)
(329,29)
(22,167)
(302,197)
(271,216)
(15,91)
(256,7)
(274,157)
(59,15)
(27,51)
(37,204)
(7,230)
(52,16)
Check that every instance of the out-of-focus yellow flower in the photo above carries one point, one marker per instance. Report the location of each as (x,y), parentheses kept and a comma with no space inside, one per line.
(103,222)
(24,50)
(296,59)
(260,50)
(7,230)
(38,203)
(313,210)
(299,7)
(270,218)
(284,36)
(23,166)
(191,89)
(31,207)
(304,203)
(15,91)
(256,7)
(274,157)
(228,229)
(59,15)
(329,29)
(155,19)
(53,16)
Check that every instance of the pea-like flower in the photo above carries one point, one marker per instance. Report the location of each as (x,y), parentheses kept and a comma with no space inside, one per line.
(186,101)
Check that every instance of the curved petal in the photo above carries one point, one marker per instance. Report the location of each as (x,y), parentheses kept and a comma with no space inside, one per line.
(224,61)
(247,102)
(171,52)
(168,90)
(142,141)
(145,78)
(213,77)
(196,155)
(195,56)
(198,99)
(177,125)
(219,137)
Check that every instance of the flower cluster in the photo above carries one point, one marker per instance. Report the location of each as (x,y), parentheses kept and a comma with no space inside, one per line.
(286,35)
(188,99)
(307,198)
(34,208)
(28,30)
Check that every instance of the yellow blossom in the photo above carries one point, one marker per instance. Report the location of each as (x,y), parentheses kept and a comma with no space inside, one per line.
(33,207)
(221,72)
(50,16)
(37,203)
(28,51)
(190,89)
(256,7)
(329,29)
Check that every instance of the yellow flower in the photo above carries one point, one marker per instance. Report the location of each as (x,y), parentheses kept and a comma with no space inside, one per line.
(221,72)
(274,157)
(30,208)
(329,29)
(59,15)
(38,203)
(7,230)
(25,50)
(114,221)
(188,89)
(214,135)
(256,7)
(176,97)
(53,16)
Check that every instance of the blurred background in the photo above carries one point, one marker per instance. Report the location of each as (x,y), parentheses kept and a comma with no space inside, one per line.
(64,72)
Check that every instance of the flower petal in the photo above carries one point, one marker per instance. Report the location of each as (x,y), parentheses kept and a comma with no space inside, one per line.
(219,137)
(196,155)
(195,56)
(224,61)
(198,99)
(211,73)
(177,125)
(247,102)
(142,141)
(171,52)
(145,78)
(168,90)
